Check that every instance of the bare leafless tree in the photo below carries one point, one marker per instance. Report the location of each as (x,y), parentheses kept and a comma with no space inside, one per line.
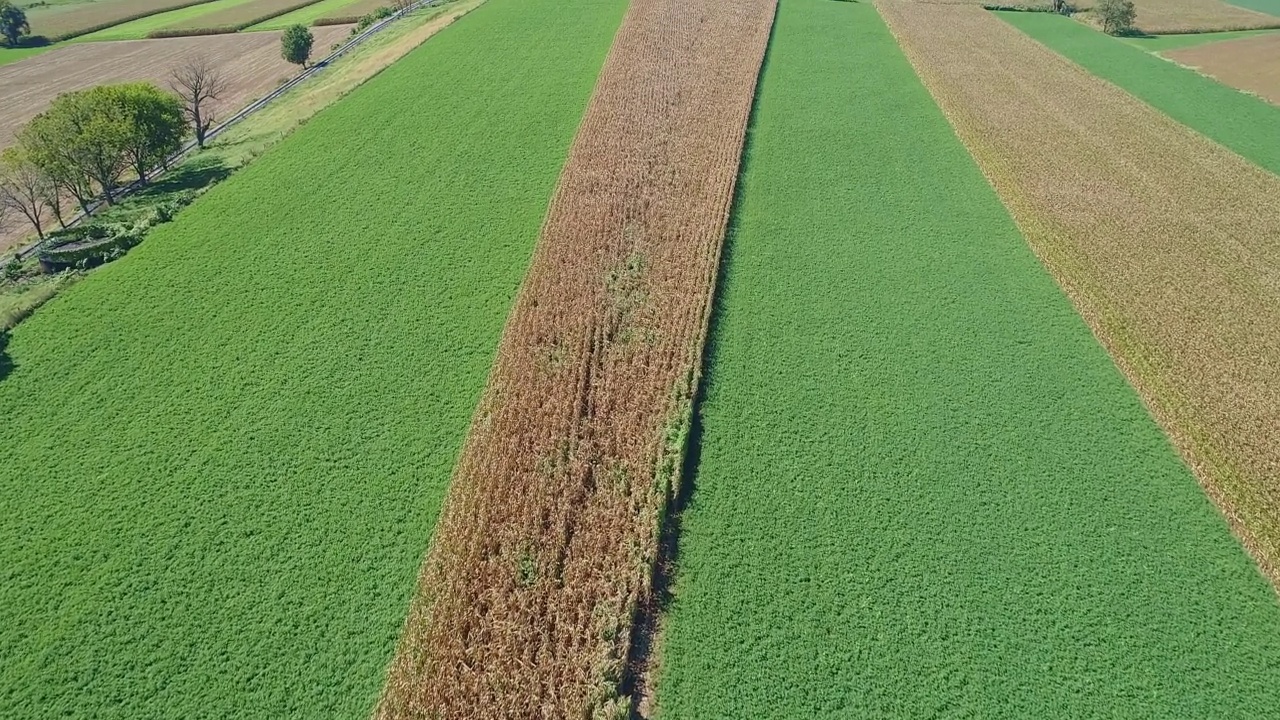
(24,188)
(199,83)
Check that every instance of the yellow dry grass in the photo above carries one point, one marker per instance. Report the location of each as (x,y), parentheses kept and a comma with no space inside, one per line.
(547,543)
(1250,64)
(1162,17)
(1164,240)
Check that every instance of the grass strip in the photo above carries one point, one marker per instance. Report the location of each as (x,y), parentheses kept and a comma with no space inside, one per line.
(1243,123)
(139,29)
(1160,43)
(223,454)
(924,489)
(303,16)
(233,19)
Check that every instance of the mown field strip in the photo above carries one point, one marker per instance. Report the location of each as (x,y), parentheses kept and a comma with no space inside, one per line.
(547,544)
(924,488)
(140,28)
(1173,265)
(305,15)
(57,23)
(222,456)
(1245,124)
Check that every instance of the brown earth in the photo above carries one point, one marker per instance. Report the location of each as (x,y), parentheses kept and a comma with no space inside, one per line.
(239,16)
(547,543)
(1162,17)
(1164,241)
(56,22)
(1251,64)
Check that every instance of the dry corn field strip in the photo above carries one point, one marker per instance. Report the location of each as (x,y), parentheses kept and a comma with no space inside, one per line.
(547,543)
(1190,16)
(1163,239)
(1249,64)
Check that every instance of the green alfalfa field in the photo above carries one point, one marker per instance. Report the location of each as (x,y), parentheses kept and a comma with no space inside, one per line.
(223,454)
(924,490)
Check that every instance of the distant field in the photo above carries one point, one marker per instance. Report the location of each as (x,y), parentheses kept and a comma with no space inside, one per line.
(12,55)
(1270,7)
(222,455)
(139,29)
(305,15)
(1191,16)
(924,490)
(233,18)
(351,12)
(1249,64)
(1160,43)
(1247,125)
(252,62)
(66,21)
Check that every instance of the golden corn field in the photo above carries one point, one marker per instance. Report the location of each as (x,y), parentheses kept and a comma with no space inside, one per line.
(546,546)
(1162,238)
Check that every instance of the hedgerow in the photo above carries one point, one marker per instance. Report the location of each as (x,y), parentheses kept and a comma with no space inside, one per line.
(222,455)
(924,490)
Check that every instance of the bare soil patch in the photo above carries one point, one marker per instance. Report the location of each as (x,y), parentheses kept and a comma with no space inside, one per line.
(1164,240)
(548,540)
(1250,64)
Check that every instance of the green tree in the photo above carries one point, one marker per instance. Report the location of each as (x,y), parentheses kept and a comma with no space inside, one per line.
(13,23)
(82,140)
(1116,16)
(156,124)
(295,44)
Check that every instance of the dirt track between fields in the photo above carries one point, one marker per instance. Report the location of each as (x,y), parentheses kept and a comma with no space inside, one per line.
(1164,240)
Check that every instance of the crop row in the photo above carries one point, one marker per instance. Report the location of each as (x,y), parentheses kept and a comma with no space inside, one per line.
(1176,276)
(222,455)
(547,545)
(924,488)
(232,19)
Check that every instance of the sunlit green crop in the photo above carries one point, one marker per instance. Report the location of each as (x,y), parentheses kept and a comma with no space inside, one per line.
(925,491)
(221,456)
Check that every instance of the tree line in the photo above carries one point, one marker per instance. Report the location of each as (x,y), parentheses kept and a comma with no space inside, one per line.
(84,146)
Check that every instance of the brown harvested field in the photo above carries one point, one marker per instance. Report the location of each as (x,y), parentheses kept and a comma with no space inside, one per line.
(352,12)
(1251,64)
(236,17)
(1189,16)
(251,61)
(60,22)
(1164,240)
(548,540)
